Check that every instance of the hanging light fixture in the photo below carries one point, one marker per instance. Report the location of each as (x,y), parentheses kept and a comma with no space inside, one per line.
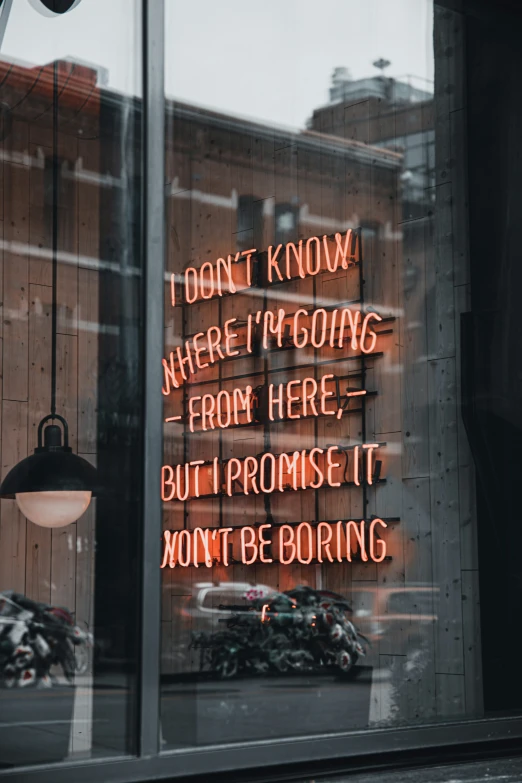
(53,487)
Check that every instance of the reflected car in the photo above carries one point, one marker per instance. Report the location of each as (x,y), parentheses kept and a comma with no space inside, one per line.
(398,618)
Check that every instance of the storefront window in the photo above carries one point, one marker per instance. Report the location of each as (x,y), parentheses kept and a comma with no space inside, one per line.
(259,386)
(319,551)
(70,169)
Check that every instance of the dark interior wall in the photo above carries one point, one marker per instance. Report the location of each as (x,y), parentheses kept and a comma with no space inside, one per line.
(492,363)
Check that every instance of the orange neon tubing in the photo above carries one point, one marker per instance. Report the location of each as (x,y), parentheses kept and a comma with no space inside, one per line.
(272,262)
(291,465)
(169,551)
(322,339)
(309,397)
(315,466)
(204,537)
(169,375)
(377,541)
(298,254)
(227,267)
(309,256)
(228,472)
(184,535)
(290,398)
(284,544)
(192,271)
(169,481)
(204,283)
(300,557)
(370,449)
(208,413)
(324,542)
(326,394)
(327,256)
(372,333)
(193,414)
(216,344)
(229,337)
(248,254)
(304,331)
(187,481)
(243,401)
(331,465)
(196,464)
(223,394)
(359,534)
(245,544)
(271,487)
(263,542)
(199,350)
(250,474)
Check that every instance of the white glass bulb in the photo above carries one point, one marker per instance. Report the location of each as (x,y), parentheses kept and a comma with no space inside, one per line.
(53,509)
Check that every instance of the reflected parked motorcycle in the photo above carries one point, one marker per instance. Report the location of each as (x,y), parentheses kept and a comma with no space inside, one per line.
(300,630)
(36,636)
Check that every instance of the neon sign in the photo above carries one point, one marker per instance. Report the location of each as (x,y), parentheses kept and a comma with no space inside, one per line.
(347,328)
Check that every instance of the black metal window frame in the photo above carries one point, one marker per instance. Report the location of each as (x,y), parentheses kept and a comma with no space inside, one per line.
(376,746)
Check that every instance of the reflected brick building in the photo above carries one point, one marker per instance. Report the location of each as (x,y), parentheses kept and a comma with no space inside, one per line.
(386,113)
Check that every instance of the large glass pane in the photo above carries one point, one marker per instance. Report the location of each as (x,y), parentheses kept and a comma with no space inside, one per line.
(319,552)
(70,163)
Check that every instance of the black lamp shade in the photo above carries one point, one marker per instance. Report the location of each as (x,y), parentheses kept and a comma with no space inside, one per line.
(53,467)
(51,471)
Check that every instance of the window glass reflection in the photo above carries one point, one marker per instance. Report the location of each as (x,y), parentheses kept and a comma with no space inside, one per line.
(314,542)
(70,170)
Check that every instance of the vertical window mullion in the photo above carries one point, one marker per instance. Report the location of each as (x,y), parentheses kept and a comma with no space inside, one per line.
(154,262)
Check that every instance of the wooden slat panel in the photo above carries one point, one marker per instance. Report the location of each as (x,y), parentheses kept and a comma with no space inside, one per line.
(40,215)
(459,197)
(16,268)
(38,579)
(85,555)
(12,523)
(88,336)
(415,412)
(63,567)
(451,696)
(466,467)
(67,383)
(68,202)
(445,515)
(64,540)
(472,643)
(419,635)
(439,280)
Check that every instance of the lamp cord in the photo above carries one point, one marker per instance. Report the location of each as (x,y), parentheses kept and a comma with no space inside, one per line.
(54,239)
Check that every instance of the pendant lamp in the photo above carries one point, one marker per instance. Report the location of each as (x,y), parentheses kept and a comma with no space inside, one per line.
(53,487)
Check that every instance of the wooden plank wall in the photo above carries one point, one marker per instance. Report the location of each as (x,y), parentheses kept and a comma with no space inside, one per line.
(415,270)
(53,566)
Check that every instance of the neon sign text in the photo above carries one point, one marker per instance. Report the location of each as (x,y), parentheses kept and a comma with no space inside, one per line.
(324,542)
(291,400)
(267,473)
(300,330)
(312,256)
(301,259)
